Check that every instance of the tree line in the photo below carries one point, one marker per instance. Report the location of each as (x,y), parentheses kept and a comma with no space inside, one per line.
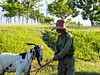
(25,8)
(90,10)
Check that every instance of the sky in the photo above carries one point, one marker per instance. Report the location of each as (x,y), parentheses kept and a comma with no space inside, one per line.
(76,19)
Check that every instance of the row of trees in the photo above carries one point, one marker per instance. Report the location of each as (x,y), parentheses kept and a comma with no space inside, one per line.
(59,8)
(25,8)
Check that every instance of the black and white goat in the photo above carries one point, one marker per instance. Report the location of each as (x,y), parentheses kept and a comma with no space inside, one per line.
(20,62)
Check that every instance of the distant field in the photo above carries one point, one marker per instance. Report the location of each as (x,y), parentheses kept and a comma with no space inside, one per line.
(87,44)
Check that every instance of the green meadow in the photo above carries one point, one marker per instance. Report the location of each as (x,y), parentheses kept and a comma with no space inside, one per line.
(87,47)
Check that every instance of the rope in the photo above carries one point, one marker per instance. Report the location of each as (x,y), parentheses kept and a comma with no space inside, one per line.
(37,70)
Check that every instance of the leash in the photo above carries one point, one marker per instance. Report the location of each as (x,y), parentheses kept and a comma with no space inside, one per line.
(37,70)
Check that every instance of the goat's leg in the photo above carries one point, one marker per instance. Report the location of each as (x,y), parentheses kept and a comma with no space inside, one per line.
(1,70)
(2,73)
(18,73)
(27,74)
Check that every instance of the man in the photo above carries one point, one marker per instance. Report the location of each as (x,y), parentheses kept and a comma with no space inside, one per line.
(64,50)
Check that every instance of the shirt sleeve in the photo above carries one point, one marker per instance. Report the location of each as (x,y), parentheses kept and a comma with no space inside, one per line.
(56,48)
(65,50)
(56,51)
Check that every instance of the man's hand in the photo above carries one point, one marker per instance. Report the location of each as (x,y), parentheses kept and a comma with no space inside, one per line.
(54,59)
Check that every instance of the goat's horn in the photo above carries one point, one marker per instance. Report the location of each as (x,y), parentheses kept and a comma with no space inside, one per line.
(30,44)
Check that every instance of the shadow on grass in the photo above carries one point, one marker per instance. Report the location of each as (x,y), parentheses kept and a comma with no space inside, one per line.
(86,73)
(82,73)
(50,39)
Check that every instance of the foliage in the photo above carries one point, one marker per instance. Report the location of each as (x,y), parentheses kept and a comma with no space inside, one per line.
(90,9)
(60,9)
(9,8)
(25,8)
(29,6)
(68,20)
(48,20)
(87,44)
(71,5)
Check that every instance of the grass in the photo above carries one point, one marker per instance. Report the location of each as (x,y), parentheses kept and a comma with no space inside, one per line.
(14,37)
(86,43)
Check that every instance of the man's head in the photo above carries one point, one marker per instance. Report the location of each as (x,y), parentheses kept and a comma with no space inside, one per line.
(60,25)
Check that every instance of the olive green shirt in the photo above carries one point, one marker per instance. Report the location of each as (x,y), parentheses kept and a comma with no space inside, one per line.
(64,46)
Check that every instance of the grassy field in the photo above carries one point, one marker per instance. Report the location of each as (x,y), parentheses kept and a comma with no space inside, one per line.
(87,44)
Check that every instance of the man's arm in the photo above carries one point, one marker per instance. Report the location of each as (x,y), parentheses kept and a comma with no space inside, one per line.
(65,50)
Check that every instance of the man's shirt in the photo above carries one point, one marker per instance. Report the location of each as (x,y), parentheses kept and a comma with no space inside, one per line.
(64,46)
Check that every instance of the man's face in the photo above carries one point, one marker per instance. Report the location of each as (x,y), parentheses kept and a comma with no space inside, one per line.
(60,30)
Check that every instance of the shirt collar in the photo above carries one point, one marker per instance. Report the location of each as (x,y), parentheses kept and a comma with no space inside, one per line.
(64,35)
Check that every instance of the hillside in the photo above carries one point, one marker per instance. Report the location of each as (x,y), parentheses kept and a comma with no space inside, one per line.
(87,45)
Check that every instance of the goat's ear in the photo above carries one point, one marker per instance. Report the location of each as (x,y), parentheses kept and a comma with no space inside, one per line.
(38,61)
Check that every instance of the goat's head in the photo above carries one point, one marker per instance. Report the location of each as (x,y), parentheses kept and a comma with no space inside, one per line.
(38,50)
(39,53)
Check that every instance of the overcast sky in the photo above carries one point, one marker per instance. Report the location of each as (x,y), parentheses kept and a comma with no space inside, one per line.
(76,19)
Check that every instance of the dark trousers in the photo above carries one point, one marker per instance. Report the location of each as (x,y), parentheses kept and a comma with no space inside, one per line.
(66,66)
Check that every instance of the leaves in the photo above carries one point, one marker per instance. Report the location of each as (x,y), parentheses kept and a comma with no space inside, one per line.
(87,44)
(90,8)
(60,9)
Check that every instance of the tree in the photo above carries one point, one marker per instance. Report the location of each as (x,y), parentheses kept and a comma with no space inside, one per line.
(97,20)
(28,4)
(30,7)
(22,8)
(60,9)
(9,8)
(68,20)
(49,20)
(72,6)
(90,9)
(12,7)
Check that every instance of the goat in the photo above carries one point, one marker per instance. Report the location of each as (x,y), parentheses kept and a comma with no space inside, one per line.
(21,62)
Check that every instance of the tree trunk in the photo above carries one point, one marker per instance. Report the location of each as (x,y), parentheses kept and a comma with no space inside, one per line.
(26,20)
(31,21)
(10,19)
(19,20)
(37,20)
(92,23)
(15,19)
(1,19)
(6,19)
(22,19)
